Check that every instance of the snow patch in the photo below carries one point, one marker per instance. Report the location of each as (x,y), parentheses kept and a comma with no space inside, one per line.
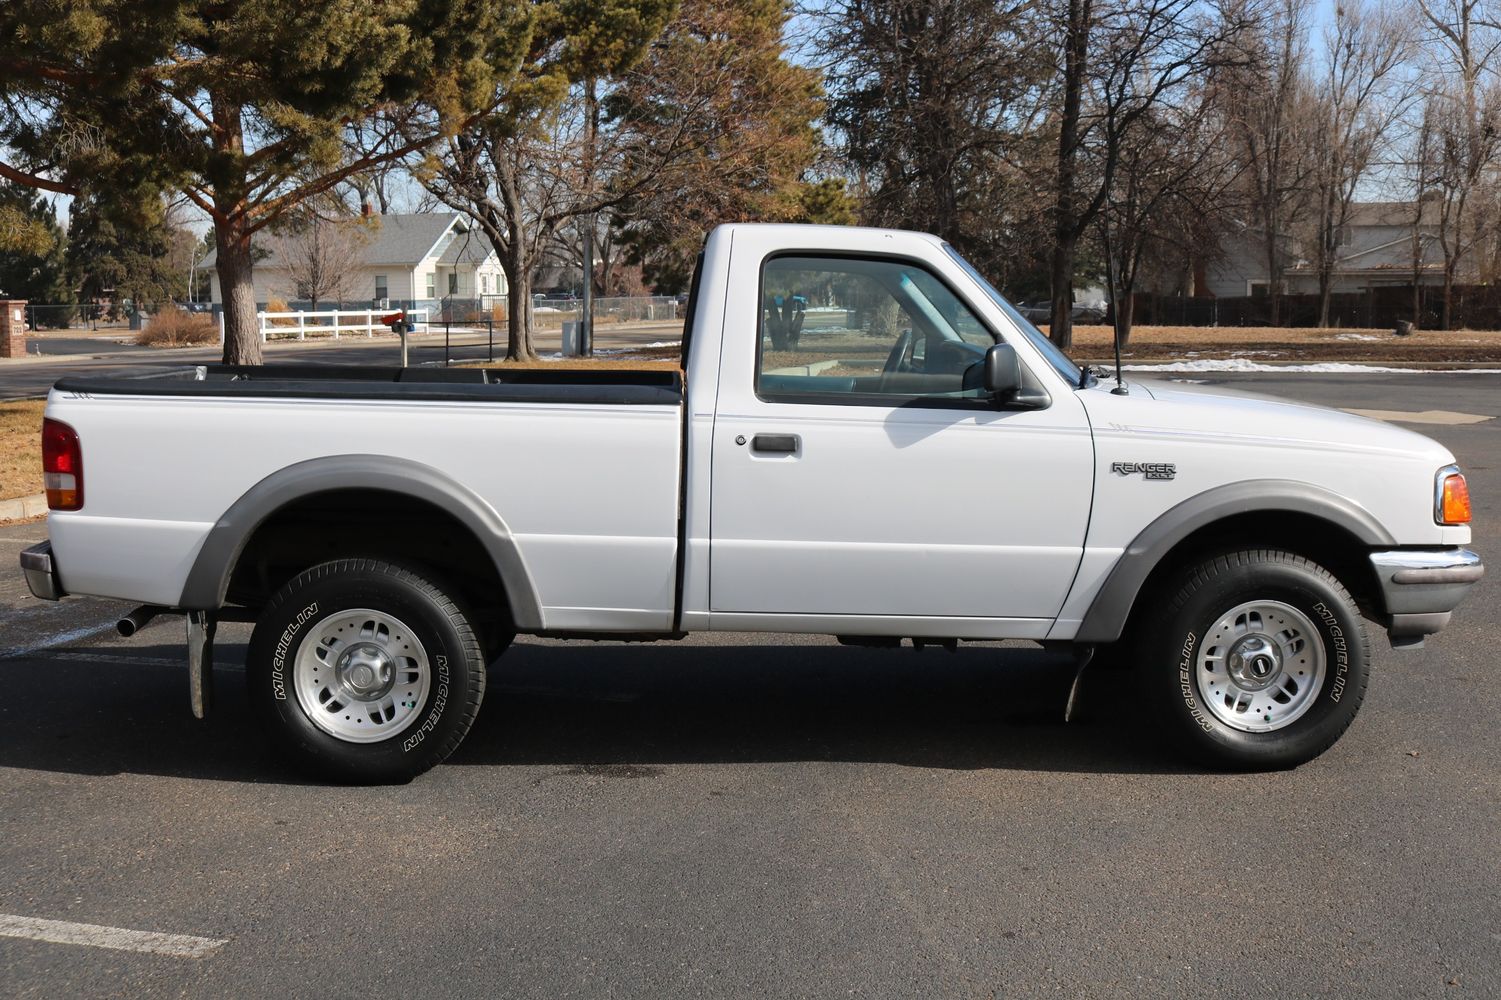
(1356,336)
(1327,367)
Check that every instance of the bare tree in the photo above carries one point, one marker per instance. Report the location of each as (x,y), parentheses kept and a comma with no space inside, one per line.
(1463,109)
(937,142)
(323,256)
(1167,195)
(1137,57)
(1264,97)
(1360,96)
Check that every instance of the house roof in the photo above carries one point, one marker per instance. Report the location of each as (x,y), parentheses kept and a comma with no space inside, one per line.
(466,247)
(1390,213)
(394,239)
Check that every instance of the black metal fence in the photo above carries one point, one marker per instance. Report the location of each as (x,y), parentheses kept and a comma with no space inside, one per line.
(1474,307)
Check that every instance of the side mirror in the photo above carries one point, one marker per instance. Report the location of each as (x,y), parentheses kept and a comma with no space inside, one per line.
(1003,371)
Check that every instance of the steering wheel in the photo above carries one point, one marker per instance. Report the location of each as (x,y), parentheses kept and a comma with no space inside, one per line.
(901,353)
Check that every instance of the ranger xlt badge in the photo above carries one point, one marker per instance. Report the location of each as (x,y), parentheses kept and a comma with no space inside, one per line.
(1150,470)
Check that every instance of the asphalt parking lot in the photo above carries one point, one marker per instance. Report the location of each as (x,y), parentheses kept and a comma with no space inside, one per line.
(747,815)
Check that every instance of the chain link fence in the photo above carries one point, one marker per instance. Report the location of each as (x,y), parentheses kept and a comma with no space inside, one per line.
(44,316)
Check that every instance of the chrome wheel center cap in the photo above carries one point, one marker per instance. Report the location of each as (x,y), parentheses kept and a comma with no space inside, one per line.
(366,672)
(1254,663)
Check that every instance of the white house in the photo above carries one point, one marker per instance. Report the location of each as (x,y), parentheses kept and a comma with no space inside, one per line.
(420,258)
(1375,249)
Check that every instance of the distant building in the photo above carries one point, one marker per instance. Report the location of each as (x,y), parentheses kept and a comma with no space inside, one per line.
(1376,250)
(423,257)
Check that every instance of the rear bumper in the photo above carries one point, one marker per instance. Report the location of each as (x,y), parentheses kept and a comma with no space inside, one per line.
(1421,587)
(41,572)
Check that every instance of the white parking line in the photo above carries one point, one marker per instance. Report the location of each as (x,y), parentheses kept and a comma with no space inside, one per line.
(132,661)
(62,638)
(99,936)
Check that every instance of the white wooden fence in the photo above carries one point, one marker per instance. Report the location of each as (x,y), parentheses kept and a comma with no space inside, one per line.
(334,321)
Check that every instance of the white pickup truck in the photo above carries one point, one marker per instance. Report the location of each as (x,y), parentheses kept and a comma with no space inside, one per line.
(865,440)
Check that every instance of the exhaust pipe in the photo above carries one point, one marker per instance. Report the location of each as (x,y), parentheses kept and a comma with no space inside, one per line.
(138,619)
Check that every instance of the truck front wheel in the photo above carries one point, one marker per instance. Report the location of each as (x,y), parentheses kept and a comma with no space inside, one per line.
(365,671)
(1259,659)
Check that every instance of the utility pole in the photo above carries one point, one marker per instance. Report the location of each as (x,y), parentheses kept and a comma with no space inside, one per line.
(586,313)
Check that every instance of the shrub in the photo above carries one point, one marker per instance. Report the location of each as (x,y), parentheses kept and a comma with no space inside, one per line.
(275,305)
(174,327)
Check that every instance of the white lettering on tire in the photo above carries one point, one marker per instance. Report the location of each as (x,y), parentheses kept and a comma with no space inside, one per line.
(1186,684)
(440,698)
(283,644)
(1341,650)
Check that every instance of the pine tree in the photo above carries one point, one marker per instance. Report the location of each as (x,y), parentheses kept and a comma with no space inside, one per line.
(34,269)
(247,108)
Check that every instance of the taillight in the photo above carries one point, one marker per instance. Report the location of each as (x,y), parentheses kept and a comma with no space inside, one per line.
(62,466)
(1453,500)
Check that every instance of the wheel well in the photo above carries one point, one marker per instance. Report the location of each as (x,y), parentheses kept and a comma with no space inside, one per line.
(1325,542)
(379,524)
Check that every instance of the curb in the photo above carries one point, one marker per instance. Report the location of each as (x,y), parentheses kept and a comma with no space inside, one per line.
(23,507)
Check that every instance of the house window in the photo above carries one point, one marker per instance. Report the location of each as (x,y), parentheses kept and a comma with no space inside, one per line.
(484,284)
(432,291)
(381,290)
(453,283)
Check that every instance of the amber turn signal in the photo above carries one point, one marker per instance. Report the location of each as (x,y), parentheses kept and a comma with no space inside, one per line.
(1454,501)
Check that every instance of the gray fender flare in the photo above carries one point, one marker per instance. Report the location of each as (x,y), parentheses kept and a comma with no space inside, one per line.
(208,580)
(1107,614)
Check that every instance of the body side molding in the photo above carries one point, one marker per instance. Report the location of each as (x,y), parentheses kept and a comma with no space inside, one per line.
(1107,614)
(208,581)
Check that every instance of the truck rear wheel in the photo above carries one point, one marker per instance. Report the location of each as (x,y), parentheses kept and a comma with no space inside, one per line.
(1259,659)
(365,671)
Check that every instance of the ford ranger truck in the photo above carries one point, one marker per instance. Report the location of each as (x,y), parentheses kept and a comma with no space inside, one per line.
(865,439)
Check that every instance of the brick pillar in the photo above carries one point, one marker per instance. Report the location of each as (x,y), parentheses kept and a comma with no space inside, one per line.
(12,328)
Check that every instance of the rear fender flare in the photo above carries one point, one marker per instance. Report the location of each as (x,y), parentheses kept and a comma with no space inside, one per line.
(208,580)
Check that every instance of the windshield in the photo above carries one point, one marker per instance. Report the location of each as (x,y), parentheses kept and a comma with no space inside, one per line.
(1065,368)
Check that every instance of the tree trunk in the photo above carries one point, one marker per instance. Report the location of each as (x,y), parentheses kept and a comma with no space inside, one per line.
(1061,328)
(1273,281)
(1065,225)
(518,307)
(1326,291)
(1446,319)
(1125,310)
(242,340)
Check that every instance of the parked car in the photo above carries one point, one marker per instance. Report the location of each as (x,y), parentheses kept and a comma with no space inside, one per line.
(391,531)
(1040,313)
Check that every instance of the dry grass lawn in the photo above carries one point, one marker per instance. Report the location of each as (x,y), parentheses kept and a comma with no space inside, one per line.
(1171,343)
(21,448)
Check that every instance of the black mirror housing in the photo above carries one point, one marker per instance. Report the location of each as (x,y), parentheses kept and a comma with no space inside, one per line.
(1003,372)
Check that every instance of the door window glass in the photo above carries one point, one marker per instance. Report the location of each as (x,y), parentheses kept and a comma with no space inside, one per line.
(856,330)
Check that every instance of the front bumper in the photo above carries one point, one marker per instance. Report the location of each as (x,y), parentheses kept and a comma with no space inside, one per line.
(41,572)
(1421,587)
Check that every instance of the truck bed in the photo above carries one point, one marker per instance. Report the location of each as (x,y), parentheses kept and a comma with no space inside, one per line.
(581,468)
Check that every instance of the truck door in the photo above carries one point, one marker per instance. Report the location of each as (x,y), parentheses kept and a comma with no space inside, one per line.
(861,473)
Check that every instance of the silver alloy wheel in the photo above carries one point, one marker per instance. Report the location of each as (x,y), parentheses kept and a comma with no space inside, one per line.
(361,675)
(1261,666)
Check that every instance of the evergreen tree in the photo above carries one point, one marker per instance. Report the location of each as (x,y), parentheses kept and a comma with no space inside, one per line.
(717,87)
(247,108)
(34,269)
(124,261)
